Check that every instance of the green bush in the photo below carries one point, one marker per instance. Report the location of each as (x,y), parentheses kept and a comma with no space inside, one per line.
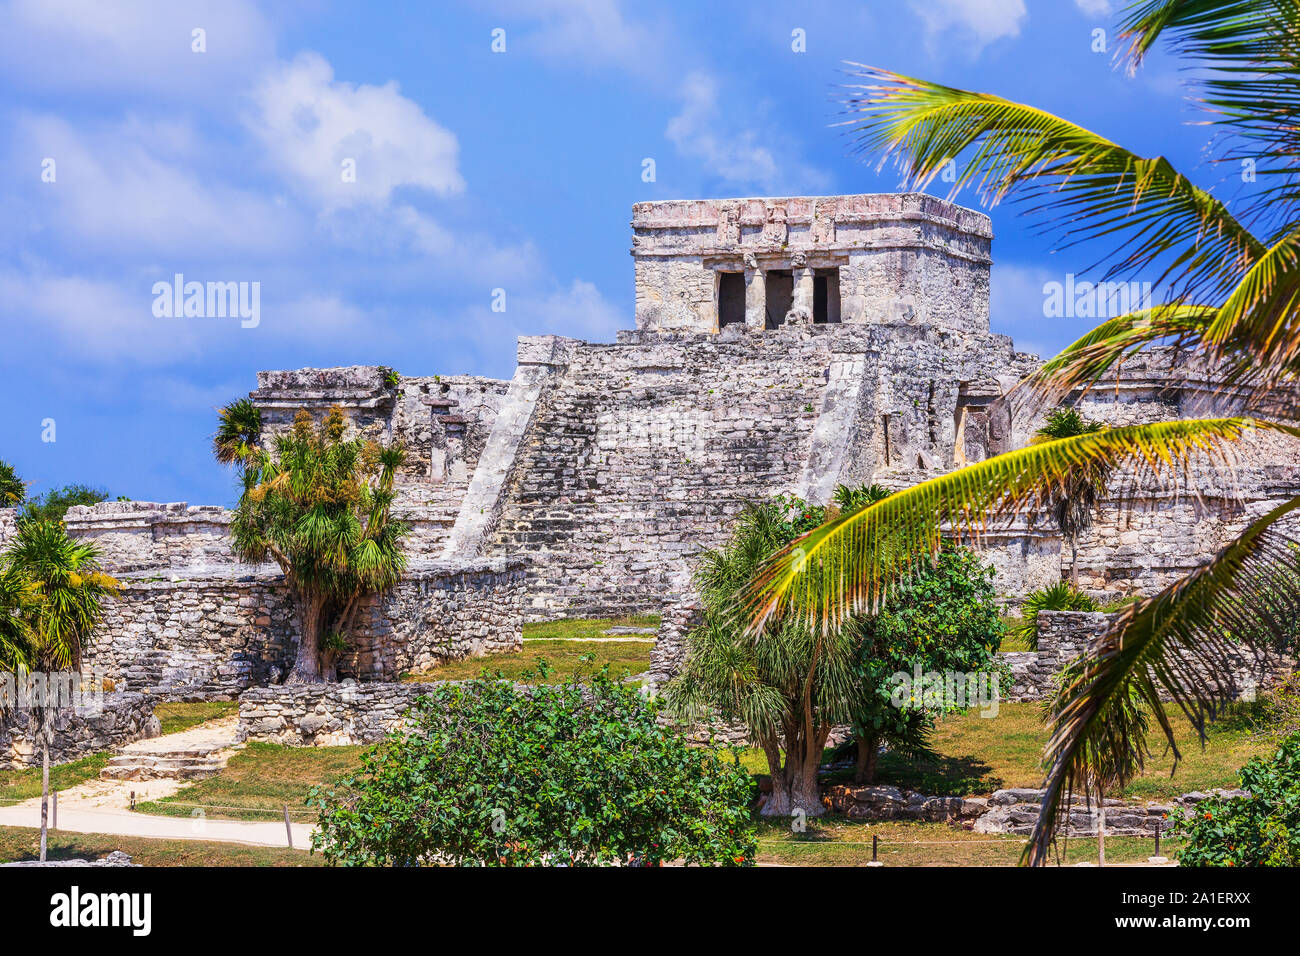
(53,505)
(493,773)
(1262,829)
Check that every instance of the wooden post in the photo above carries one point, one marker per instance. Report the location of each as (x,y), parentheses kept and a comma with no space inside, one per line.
(875,850)
(287,828)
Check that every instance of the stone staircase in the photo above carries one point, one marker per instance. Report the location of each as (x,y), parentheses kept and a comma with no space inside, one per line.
(192,754)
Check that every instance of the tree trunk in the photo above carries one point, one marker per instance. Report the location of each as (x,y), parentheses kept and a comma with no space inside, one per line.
(868,758)
(794,788)
(47,731)
(1074,565)
(1101,829)
(307,669)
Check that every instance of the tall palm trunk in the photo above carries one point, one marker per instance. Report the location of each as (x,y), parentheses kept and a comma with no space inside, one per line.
(1101,828)
(47,732)
(1074,564)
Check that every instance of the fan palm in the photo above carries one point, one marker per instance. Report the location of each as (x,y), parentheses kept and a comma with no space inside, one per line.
(1232,304)
(54,585)
(1072,503)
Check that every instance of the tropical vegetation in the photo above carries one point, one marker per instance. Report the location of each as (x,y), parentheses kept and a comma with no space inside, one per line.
(578,773)
(319,505)
(790,689)
(1260,829)
(1229,281)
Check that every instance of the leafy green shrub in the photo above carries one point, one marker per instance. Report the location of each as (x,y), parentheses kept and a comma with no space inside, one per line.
(1061,596)
(53,505)
(940,619)
(1262,829)
(578,774)
(12,488)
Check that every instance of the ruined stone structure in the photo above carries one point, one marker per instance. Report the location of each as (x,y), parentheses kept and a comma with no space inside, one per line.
(780,345)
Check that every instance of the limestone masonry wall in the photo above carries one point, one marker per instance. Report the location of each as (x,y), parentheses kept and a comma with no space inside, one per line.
(212,637)
(119,719)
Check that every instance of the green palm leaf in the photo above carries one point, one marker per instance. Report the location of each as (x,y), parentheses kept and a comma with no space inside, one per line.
(847,565)
(1093,188)
(1181,642)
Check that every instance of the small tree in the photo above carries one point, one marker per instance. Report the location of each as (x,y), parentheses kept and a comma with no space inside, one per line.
(1072,501)
(791,687)
(942,618)
(577,774)
(54,583)
(320,507)
(1115,743)
(12,488)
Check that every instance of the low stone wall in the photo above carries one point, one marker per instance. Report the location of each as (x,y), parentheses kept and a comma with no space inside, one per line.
(325,715)
(148,535)
(1065,635)
(440,612)
(207,637)
(1009,811)
(121,719)
(211,637)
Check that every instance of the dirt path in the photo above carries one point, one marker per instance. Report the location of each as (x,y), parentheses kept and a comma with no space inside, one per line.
(103,806)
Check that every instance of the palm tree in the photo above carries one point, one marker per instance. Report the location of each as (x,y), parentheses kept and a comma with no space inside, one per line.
(1232,304)
(12,488)
(1114,750)
(1071,504)
(54,583)
(790,690)
(319,505)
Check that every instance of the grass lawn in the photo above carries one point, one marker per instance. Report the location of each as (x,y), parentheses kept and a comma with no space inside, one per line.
(23,843)
(19,785)
(259,781)
(833,841)
(555,641)
(978,755)
(179,716)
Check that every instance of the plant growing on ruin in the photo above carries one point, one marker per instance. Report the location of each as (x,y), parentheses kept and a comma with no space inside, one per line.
(1232,285)
(53,505)
(1060,596)
(319,505)
(581,773)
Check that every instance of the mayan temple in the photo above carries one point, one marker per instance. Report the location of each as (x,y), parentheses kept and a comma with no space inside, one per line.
(781,345)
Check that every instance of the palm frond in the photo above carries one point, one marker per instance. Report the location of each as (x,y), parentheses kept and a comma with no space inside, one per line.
(1180,642)
(1093,188)
(848,565)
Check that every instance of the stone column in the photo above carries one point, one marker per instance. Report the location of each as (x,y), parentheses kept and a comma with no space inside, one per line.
(755,295)
(801,309)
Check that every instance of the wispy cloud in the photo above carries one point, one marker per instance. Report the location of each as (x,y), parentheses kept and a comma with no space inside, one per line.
(739,155)
(978,22)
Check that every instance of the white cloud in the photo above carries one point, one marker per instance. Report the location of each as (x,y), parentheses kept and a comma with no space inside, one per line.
(140,185)
(312,125)
(700,131)
(580,311)
(979,21)
(1095,8)
(594,33)
(144,46)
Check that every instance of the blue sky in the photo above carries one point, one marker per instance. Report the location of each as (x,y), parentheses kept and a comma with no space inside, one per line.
(476,170)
